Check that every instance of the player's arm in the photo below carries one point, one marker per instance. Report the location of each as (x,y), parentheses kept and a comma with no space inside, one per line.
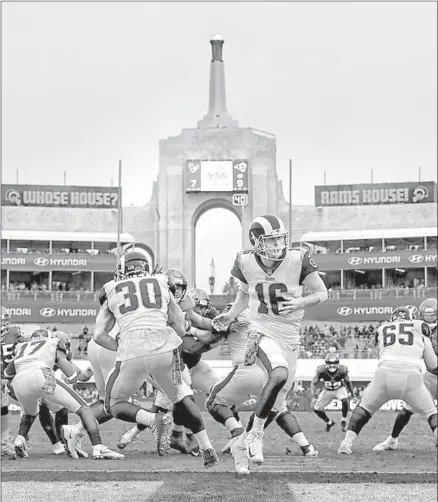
(312,281)
(64,365)
(203,323)
(206,342)
(9,372)
(429,356)
(104,324)
(314,382)
(83,376)
(347,382)
(175,318)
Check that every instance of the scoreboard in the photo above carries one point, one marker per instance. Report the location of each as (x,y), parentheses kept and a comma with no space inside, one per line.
(216,175)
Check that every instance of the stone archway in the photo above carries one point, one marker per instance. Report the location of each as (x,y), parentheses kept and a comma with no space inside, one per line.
(214,203)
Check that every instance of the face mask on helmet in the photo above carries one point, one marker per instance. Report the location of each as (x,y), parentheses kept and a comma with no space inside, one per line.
(133,264)
(42,333)
(178,284)
(332,364)
(5,320)
(428,310)
(403,314)
(269,237)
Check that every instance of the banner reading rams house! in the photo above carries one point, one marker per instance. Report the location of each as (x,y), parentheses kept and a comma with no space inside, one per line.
(372,194)
(60,196)
(59,261)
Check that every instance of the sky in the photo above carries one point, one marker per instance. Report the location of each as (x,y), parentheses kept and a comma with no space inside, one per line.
(345,87)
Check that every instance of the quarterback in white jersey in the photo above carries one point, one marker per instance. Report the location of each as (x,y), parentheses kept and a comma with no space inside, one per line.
(151,331)
(271,278)
(428,313)
(32,370)
(403,345)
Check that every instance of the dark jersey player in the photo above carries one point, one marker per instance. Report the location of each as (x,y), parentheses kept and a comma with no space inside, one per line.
(337,384)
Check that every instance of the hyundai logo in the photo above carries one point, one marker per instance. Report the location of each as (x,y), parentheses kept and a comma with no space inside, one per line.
(41,262)
(47,312)
(355,260)
(416,258)
(344,311)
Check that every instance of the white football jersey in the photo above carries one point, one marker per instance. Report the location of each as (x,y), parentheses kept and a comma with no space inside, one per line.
(140,306)
(36,353)
(267,289)
(406,342)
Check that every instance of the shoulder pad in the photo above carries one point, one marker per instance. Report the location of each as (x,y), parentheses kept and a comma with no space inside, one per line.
(343,369)
(321,368)
(102,296)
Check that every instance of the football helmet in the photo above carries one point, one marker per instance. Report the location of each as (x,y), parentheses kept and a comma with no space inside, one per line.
(6,318)
(178,283)
(332,362)
(406,313)
(133,263)
(118,276)
(201,299)
(428,310)
(269,237)
(42,333)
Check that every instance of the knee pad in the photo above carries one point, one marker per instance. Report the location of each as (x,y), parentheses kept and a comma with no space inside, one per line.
(433,421)
(5,411)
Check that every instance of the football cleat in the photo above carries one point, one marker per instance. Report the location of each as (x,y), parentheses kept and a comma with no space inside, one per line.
(310,451)
(100,452)
(345,448)
(329,425)
(241,463)
(390,443)
(128,438)
(343,425)
(161,426)
(254,447)
(8,449)
(71,438)
(192,445)
(58,448)
(210,457)
(20,447)
(177,443)
(235,434)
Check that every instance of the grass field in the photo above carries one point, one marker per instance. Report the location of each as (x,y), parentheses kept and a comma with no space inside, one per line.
(408,473)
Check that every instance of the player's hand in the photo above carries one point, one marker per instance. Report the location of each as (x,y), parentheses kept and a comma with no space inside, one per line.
(221,321)
(289,305)
(89,372)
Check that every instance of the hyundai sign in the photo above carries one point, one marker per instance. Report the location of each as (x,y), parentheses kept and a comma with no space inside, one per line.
(375,194)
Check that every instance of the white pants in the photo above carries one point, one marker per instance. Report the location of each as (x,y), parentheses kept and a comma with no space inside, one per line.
(271,355)
(327,396)
(236,387)
(29,389)
(398,381)
(431,383)
(162,401)
(102,361)
(129,375)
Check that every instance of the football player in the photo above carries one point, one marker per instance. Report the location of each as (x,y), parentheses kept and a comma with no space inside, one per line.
(271,278)
(10,336)
(147,348)
(197,341)
(428,313)
(337,385)
(32,371)
(403,345)
(234,390)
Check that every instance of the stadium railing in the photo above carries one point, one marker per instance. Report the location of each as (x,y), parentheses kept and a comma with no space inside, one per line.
(336,295)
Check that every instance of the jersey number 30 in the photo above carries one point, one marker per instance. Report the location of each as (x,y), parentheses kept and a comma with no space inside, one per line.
(274,297)
(150,295)
(405,334)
